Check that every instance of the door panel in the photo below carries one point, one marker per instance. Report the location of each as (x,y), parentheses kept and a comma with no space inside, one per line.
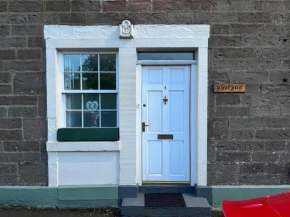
(155,154)
(155,110)
(176,157)
(165,159)
(176,111)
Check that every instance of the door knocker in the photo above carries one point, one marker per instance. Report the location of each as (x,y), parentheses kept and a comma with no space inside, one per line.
(165,100)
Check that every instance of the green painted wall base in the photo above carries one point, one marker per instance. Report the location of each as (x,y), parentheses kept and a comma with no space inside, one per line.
(62,197)
(220,193)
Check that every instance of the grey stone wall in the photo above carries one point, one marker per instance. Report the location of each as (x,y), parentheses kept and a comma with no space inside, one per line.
(248,133)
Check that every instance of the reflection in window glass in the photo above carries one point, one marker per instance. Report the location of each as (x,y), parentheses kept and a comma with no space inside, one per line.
(90,81)
(71,63)
(89,62)
(74,119)
(109,118)
(74,101)
(166,56)
(72,81)
(109,100)
(108,81)
(108,62)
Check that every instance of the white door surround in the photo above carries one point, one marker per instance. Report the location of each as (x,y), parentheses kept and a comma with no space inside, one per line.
(146,37)
(165,113)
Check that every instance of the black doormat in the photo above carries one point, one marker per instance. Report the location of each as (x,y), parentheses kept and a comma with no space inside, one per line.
(164,200)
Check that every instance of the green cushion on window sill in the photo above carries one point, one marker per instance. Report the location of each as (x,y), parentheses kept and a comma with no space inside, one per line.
(88,134)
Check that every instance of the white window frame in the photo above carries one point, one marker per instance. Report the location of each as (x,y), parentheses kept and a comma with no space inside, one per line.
(63,92)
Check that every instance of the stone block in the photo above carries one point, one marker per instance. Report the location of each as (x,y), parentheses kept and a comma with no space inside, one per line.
(228,99)
(41,106)
(259,123)
(241,134)
(114,6)
(98,18)
(55,6)
(233,156)
(277,168)
(85,5)
(252,168)
(4,29)
(152,18)
(26,6)
(35,42)
(36,18)
(29,83)
(5,89)
(180,18)
(29,54)
(232,111)
(3,6)
(18,157)
(244,29)
(5,78)
(250,77)
(227,65)
(23,112)
(139,6)
(275,145)
(23,65)
(18,100)
(13,18)
(218,128)
(265,156)
(72,18)
(220,29)
(167,5)
(3,112)
(198,5)
(273,134)
(32,174)
(10,123)
(22,146)
(27,30)
(34,129)
(233,53)
(225,41)
(257,17)
(12,42)
(13,135)
(51,19)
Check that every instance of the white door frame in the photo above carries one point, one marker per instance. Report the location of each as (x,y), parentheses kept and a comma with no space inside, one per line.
(193,114)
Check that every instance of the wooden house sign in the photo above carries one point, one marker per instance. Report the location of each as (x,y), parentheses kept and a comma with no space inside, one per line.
(229,88)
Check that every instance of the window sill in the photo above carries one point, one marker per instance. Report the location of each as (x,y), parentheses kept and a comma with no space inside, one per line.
(82,146)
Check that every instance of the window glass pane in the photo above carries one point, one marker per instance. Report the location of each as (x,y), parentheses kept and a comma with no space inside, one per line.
(72,81)
(108,81)
(90,81)
(108,62)
(91,119)
(166,56)
(91,101)
(109,119)
(90,62)
(71,63)
(109,101)
(74,119)
(74,101)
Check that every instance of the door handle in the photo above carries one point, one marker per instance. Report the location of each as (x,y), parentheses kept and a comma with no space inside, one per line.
(144,126)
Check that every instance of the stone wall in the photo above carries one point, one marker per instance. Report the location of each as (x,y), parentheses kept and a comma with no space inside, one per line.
(248,133)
